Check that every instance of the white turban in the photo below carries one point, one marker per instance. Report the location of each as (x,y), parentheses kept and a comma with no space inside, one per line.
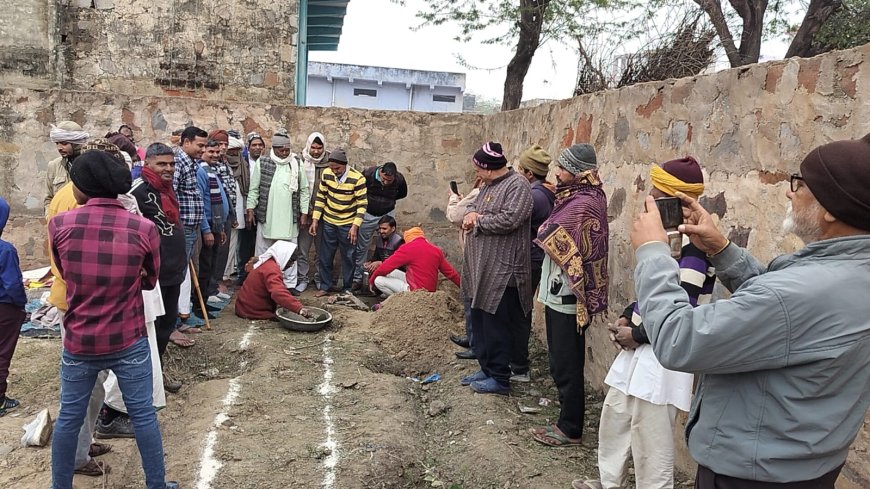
(280,251)
(68,132)
(235,143)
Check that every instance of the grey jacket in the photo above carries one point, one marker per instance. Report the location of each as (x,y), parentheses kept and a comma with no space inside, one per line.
(785,362)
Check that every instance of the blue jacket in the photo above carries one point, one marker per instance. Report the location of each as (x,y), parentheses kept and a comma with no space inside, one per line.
(784,362)
(207,220)
(11,283)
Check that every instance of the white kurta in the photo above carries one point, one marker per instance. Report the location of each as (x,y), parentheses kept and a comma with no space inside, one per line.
(638,373)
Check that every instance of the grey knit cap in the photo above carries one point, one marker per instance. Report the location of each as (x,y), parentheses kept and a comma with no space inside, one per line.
(578,158)
(280,139)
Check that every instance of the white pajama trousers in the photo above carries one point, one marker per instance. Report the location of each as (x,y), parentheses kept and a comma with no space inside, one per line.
(632,427)
(392,283)
(262,244)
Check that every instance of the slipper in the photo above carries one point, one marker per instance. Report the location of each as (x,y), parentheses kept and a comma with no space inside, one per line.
(94,468)
(181,340)
(552,438)
(188,329)
(7,404)
(98,449)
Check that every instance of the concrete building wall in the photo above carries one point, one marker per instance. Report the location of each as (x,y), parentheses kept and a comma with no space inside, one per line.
(749,127)
(218,49)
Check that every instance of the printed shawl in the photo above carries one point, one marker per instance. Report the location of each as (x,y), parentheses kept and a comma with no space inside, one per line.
(575,238)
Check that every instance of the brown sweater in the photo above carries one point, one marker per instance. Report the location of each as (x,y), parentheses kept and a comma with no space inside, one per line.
(497,251)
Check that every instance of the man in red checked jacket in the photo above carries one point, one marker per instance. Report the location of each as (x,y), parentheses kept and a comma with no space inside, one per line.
(422,261)
(106,256)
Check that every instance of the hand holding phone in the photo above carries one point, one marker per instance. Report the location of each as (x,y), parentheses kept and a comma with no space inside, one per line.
(671,211)
(453,187)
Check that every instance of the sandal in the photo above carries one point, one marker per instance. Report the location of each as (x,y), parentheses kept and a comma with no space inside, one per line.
(94,468)
(181,340)
(98,449)
(7,404)
(321,293)
(550,436)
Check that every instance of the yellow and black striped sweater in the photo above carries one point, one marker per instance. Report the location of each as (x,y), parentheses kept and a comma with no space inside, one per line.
(341,203)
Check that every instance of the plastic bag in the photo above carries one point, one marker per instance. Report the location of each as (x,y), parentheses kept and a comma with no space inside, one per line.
(37,432)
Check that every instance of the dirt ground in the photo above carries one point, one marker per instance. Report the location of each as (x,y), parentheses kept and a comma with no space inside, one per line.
(330,409)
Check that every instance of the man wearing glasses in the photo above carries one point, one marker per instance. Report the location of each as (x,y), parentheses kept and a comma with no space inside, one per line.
(785,361)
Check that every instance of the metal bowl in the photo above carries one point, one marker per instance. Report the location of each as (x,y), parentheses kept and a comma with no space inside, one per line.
(295,322)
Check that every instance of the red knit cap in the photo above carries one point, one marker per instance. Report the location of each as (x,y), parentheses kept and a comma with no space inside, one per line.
(838,175)
(219,135)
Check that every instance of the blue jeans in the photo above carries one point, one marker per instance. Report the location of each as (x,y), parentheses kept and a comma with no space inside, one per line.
(363,239)
(191,234)
(78,373)
(334,238)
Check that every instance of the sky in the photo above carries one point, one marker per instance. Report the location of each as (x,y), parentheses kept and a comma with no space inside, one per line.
(382,33)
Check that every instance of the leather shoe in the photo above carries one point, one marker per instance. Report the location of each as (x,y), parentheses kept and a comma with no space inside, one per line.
(460,340)
(466,355)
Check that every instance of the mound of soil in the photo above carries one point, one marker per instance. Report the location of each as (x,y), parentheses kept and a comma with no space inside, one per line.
(414,329)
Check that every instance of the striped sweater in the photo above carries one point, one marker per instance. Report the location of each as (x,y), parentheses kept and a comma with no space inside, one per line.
(697,277)
(341,202)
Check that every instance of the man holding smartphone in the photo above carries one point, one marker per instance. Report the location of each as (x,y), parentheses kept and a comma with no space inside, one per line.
(638,414)
(785,361)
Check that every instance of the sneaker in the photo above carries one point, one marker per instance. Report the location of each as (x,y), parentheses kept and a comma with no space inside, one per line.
(172,485)
(525,378)
(224,296)
(301,286)
(468,379)
(119,427)
(490,386)
(215,301)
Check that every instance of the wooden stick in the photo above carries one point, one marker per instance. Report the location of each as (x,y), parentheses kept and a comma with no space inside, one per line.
(195,280)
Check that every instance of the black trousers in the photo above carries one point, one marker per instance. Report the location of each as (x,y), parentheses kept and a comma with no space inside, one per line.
(165,324)
(523,331)
(247,245)
(567,350)
(494,335)
(208,257)
(220,265)
(11,318)
(707,479)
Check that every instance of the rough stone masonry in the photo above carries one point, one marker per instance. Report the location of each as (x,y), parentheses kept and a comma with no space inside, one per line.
(748,126)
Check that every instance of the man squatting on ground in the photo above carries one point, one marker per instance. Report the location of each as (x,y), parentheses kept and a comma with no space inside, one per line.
(785,361)
(422,262)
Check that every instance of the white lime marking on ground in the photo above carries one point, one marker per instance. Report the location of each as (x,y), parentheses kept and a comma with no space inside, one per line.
(208,464)
(326,390)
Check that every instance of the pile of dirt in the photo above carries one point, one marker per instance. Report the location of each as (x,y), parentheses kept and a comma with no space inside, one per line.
(414,329)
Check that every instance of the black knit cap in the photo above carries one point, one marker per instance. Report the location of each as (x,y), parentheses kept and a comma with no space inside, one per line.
(338,156)
(99,174)
(838,175)
(490,157)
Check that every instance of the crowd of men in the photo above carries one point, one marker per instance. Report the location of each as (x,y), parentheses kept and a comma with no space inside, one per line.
(783,362)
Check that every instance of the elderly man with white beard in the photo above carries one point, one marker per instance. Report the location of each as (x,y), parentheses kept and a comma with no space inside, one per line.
(785,361)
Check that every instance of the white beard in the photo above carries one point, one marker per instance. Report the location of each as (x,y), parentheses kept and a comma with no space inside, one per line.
(803,224)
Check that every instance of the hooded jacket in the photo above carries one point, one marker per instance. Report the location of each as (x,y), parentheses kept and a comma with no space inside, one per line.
(11,282)
(785,361)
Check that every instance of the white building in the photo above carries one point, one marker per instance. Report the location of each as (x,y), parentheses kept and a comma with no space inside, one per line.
(371,87)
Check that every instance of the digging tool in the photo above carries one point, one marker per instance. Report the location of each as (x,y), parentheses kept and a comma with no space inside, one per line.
(195,281)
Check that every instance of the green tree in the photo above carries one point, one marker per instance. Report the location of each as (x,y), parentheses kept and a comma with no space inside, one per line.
(847,27)
(526,24)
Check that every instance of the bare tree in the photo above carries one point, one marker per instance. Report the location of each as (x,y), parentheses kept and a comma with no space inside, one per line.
(818,12)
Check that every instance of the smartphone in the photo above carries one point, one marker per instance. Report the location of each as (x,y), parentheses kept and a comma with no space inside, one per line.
(453,187)
(671,210)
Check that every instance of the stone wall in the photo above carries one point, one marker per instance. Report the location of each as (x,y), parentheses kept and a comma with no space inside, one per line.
(429,149)
(749,127)
(217,49)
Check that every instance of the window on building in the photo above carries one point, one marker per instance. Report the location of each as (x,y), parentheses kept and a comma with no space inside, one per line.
(365,92)
(444,98)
